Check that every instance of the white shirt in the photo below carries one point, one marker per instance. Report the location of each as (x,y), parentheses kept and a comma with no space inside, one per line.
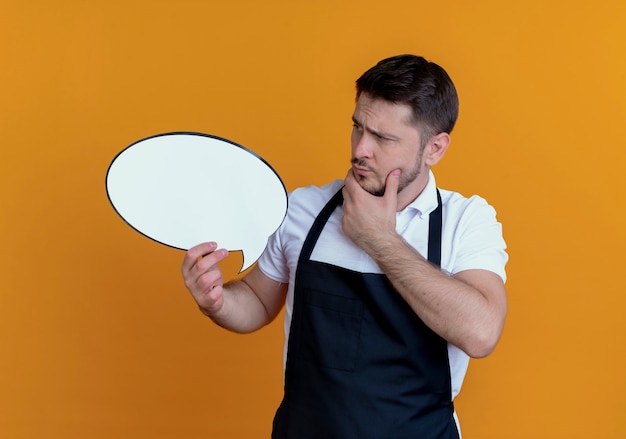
(471,239)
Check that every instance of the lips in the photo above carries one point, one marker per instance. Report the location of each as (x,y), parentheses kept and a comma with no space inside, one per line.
(360,172)
(360,169)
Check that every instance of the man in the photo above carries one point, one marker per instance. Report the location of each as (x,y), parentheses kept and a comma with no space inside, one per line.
(390,283)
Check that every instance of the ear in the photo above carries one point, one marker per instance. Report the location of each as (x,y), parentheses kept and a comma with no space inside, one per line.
(436,148)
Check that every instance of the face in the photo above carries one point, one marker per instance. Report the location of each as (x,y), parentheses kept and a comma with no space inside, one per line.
(384,139)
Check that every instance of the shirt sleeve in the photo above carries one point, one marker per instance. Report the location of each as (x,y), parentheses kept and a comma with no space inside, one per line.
(479,241)
(272,262)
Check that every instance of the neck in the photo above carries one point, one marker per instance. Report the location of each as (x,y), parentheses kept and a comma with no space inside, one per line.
(413,190)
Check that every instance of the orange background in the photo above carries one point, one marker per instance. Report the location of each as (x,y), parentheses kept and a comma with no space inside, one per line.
(98,337)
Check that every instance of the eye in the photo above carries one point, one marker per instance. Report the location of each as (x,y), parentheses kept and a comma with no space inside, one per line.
(381,137)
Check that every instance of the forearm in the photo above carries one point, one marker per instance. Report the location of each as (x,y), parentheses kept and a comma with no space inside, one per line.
(242,311)
(458,310)
(240,306)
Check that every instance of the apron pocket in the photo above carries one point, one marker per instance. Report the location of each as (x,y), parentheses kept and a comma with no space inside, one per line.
(330,330)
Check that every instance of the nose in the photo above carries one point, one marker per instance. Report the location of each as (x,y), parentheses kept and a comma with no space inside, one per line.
(362,145)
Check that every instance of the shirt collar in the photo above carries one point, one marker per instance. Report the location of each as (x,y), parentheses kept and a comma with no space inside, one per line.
(426,202)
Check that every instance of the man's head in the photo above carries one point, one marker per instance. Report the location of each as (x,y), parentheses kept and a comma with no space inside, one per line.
(405,110)
(418,83)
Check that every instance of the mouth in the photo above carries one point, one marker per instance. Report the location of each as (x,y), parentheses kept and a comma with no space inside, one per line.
(360,168)
(362,173)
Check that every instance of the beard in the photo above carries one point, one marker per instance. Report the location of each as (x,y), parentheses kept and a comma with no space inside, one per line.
(378,190)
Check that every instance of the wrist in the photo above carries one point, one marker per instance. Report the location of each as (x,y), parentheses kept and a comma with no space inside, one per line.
(383,245)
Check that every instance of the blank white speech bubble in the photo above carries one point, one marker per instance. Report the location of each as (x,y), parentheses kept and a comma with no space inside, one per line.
(181,189)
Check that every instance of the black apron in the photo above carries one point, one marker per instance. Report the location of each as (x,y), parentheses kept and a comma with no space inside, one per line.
(360,363)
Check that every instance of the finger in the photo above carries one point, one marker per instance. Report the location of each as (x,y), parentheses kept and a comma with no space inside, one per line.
(197,253)
(351,185)
(349,178)
(211,302)
(208,261)
(199,250)
(391,184)
(208,282)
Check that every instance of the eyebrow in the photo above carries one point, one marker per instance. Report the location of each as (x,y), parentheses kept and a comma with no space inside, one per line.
(381,134)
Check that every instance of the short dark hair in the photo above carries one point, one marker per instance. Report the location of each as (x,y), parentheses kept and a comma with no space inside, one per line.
(421,84)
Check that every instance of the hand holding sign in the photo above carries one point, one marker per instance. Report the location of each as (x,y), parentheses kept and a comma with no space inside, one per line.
(181,189)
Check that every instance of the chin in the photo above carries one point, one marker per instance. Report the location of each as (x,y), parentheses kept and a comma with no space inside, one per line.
(373,188)
(377,192)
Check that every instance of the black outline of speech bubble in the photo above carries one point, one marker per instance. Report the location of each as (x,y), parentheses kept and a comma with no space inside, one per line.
(189,133)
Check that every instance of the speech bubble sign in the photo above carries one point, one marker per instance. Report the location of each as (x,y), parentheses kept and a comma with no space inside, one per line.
(184,188)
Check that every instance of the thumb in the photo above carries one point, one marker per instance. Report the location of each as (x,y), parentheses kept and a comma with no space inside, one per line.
(392,183)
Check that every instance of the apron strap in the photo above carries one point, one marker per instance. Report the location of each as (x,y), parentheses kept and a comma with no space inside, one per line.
(435,224)
(318,225)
